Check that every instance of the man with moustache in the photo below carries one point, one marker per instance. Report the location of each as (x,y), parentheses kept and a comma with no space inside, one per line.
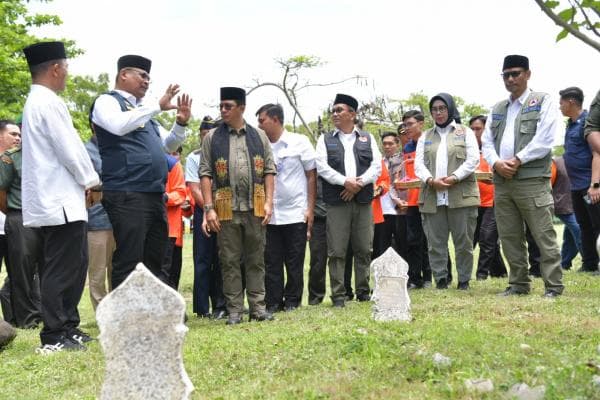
(349,162)
(134,167)
(517,144)
(237,179)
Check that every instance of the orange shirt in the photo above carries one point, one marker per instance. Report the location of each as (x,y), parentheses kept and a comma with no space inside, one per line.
(409,165)
(176,193)
(486,190)
(383,182)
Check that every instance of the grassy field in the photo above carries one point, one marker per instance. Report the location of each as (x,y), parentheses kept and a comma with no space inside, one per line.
(318,352)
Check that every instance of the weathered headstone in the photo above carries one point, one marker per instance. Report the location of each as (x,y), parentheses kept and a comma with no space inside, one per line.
(7,333)
(390,296)
(141,333)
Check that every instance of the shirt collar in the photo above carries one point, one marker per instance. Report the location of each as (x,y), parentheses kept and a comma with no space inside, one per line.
(242,129)
(129,97)
(355,130)
(522,98)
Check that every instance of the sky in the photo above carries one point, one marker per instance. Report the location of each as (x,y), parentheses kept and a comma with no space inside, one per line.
(399,47)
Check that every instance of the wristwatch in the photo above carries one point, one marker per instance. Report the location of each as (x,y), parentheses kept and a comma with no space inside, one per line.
(208,207)
(595,185)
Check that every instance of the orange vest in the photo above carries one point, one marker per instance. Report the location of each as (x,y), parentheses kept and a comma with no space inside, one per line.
(409,165)
(176,193)
(384,182)
(486,190)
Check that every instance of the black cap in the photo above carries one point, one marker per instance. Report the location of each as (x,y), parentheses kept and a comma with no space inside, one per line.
(207,123)
(572,92)
(233,93)
(347,100)
(133,61)
(515,61)
(45,51)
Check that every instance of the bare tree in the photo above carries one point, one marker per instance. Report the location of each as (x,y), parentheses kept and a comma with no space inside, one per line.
(292,83)
(578,15)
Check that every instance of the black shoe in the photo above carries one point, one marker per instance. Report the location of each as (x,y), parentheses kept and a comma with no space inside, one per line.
(426,284)
(463,285)
(274,308)
(587,270)
(551,294)
(289,308)
(314,302)
(339,304)
(481,277)
(413,286)
(441,284)
(219,314)
(510,291)
(234,319)
(203,315)
(261,316)
(79,336)
(363,297)
(349,297)
(63,344)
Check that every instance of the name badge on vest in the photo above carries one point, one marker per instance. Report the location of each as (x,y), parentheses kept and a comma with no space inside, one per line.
(497,117)
(532,106)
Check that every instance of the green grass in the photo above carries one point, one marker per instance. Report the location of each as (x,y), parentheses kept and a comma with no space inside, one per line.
(317,352)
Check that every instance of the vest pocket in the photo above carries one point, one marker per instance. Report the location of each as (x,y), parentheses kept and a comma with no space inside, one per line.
(139,168)
(528,124)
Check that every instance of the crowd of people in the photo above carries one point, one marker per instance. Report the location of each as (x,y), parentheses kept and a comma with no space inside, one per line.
(257,195)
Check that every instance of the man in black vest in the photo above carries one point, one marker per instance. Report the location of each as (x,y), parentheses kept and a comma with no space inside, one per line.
(349,162)
(134,168)
(237,180)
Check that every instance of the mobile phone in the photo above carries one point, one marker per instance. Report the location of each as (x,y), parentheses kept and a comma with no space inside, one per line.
(587,199)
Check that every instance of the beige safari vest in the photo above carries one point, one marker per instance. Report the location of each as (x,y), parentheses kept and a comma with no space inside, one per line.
(463,194)
(525,129)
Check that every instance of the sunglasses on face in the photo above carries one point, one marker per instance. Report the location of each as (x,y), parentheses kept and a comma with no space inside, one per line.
(511,74)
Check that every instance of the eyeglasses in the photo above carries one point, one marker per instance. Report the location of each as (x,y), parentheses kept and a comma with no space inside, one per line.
(439,110)
(142,74)
(511,74)
(227,106)
(337,110)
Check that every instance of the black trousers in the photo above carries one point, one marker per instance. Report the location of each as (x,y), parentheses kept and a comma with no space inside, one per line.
(588,218)
(486,235)
(318,261)
(139,222)
(62,278)
(208,280)
(285,245)
(171,267)
(391,232)
(25,251)
(417,257)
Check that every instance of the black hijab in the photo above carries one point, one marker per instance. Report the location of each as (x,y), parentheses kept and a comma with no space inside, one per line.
(453,114)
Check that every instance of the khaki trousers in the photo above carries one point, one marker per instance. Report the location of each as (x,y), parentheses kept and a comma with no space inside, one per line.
(349,222)
(461,223)
(242,241)
(520,201)
(101,246)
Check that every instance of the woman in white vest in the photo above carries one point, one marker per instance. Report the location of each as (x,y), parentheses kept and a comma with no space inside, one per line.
(446,158)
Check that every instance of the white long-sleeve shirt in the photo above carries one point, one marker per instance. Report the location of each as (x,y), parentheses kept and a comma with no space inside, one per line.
(441,159)
(108,114)
(548,126)
(56,166)
(334,177)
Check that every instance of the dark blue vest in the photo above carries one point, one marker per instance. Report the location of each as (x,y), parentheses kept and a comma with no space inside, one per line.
(134,162)
(335,158)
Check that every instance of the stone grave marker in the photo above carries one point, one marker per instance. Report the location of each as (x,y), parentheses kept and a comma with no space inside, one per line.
(390,296)
(141,334)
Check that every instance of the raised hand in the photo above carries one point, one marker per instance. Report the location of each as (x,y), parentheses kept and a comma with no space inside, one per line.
(184,109)
(165,101)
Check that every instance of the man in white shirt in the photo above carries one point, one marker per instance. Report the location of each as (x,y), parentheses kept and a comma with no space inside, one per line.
(56,173)
(293,210)
(134,167)
(349,162)
(517,144)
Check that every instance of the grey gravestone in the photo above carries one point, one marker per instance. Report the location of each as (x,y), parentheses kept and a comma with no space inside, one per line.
(7,333)
(141,333)
(390,296)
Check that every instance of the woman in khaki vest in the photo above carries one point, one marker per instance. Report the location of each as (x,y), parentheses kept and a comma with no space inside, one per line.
(446,158)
